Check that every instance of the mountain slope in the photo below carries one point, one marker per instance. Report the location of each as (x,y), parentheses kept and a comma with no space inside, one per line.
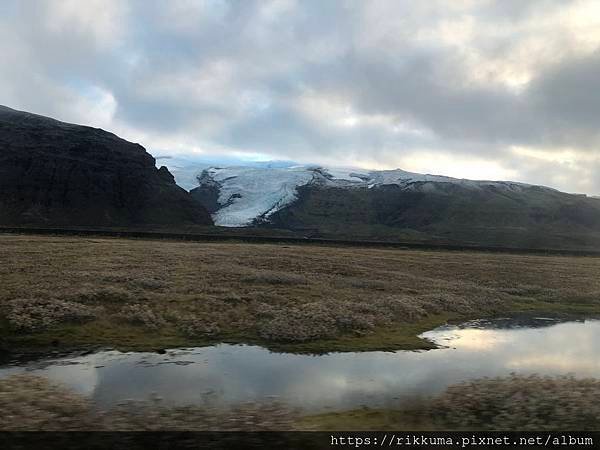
(350,203)
(55,173)
(532,217)
(241,195)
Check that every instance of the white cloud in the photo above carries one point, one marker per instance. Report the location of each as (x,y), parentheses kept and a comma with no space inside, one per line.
(484,89)
(101,20)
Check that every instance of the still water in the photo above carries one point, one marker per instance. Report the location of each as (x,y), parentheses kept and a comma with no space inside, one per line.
(229,374)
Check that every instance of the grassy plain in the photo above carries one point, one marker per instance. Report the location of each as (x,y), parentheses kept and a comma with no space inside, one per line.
(79,292)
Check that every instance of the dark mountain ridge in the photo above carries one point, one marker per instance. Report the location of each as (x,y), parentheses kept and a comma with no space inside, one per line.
(56,173)
(531,216)
(400,206)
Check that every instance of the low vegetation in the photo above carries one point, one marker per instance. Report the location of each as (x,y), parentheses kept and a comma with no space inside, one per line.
(143,315)
(32,403)
(34,314)
(142,294)
(522,403)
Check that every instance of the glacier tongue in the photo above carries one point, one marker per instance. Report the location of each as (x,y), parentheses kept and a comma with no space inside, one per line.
(250,193)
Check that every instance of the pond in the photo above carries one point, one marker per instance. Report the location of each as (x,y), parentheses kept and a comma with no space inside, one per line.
(224,374)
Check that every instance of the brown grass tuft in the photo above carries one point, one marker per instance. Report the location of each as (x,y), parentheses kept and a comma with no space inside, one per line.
(31,403)
(27,315)
(521,403)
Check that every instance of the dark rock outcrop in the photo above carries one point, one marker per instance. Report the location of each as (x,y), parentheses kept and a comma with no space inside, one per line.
(207,194)
(532,216)
(60,174)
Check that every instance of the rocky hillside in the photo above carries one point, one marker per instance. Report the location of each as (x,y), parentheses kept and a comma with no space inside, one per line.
(397,205)
(58,174)
(526,217)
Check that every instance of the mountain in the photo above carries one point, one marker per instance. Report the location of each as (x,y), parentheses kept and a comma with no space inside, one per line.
(59,174)
(395,204)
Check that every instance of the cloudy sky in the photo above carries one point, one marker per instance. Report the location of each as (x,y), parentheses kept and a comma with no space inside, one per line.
(506,89)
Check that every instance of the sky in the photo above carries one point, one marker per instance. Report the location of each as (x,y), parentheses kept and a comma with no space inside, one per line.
(482,89)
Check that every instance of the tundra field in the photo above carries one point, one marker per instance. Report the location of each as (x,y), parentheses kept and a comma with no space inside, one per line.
(74,292)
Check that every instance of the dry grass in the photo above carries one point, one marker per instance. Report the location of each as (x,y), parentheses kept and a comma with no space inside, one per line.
(136,293)
(519,403)
(522,403)
(35,314)
(31,403)
(141,314)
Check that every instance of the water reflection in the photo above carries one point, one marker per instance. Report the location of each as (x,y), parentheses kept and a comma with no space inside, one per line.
(226,374)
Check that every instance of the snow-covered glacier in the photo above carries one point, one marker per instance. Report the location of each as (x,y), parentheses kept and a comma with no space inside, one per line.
(250,193)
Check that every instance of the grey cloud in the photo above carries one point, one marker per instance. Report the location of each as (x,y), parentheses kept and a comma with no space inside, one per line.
(233,73)
(414,90)
(567,99)
(566,176)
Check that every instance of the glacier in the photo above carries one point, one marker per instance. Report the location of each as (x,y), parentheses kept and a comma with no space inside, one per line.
(252,193)
(249,193)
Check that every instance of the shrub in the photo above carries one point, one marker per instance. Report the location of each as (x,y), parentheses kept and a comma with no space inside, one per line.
(326,319)
(316,320)
(303,323)
(197,325)
(139,314)
(521,403)
(31,403)
(402,308)
(38,314)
